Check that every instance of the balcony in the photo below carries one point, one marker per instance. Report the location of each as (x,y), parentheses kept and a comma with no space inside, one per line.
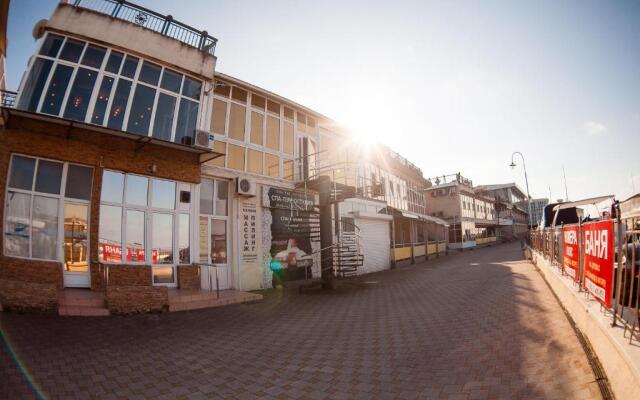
(8,98)
(162,24)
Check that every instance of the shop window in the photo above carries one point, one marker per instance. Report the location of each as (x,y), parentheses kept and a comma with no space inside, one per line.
(162,239)
(257,121)
(237,119)
(206,196)
(112,186)
(273,133)
(235,156)
(34,197)
(272,165)
(135,233)
(222,196)
(219,116)
(254,161)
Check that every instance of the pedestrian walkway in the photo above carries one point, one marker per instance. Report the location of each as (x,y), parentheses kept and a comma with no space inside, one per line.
(473,325)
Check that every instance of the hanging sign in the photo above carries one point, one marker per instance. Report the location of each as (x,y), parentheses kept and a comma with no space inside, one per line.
(248,233)
(571,254)
(597,239)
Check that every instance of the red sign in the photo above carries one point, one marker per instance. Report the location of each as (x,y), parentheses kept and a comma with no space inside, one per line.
(571,255)
(598,260)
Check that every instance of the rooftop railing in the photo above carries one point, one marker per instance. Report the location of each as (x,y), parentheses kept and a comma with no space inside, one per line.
(162,24)
(8,98)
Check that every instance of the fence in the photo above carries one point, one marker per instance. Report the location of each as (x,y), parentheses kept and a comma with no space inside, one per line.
(602,258)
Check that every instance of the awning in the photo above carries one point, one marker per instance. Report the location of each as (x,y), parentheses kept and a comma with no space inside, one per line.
(630,207)
(585,202)
(409,215)
(436,220)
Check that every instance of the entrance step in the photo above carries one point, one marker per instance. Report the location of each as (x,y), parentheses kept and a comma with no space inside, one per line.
(81,302)
(182,300)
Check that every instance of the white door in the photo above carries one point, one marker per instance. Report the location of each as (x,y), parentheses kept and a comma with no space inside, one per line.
(374,239)
(76,245)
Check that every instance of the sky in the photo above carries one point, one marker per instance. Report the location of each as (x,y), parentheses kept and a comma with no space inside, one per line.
(454,86)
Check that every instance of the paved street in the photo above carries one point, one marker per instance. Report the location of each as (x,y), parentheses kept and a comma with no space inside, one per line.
(474,325)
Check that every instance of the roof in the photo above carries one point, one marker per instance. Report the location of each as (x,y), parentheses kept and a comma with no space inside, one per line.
(584,202)
(630,207)
(500,186)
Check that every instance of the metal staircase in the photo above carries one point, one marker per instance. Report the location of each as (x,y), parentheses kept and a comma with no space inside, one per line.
(347,253)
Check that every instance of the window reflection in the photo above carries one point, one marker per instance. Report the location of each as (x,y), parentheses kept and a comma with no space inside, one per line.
(218,241)
(79,181)
(206,197)
(57,87)
(102,100)
(44,227)
(112,186)
(81,91)
(137,187)
(221,197)
(76,231)
(35,84)
(140,114)
(184,247)
(129,67)
(51,45)
(162,239)
(48,177)
(17,224)
(116,115)
(164,194)
(110,234)
(163,123)
(135,236)
(187,117)
(72,50)
(22,169)
(93,56)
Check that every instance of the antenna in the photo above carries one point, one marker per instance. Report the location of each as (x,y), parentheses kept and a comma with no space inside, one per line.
(566,194)
(633,184)
(550,193)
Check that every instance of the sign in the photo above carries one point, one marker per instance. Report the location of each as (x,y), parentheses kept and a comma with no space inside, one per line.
(570,251)
(248,233)
(598,255)
(288,200)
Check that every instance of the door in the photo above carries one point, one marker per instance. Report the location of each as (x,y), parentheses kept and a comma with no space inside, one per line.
(214,254)
(76,245)
(374,238)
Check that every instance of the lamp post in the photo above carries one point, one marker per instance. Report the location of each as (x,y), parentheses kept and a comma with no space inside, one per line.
(526,181)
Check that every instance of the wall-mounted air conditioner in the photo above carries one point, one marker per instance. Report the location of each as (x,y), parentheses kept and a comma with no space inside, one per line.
(202,139)
(245,187)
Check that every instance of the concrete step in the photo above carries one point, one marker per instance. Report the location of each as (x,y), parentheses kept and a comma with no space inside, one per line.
(80,297)
(83,311)
(196,302)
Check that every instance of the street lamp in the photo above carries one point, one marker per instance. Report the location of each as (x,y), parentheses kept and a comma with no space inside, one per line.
(526,181)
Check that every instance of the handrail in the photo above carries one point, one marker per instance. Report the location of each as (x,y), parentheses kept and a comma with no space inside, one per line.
(162,24)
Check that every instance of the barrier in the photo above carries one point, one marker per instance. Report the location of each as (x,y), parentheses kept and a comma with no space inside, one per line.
(402,253)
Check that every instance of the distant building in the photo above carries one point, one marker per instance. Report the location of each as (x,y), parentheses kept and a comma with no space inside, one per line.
(471,215)
(537,209)
(511,208)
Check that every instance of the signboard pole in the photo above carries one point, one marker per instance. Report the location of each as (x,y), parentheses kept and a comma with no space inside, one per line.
(580,256)
(618,277)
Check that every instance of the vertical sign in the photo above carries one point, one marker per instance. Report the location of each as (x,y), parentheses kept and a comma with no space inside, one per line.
(598,260)
(571,253)
(248,233)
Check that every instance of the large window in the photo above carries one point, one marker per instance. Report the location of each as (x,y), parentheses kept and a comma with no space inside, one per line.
(82,81)
(145,220)
(214,196)
(44,198)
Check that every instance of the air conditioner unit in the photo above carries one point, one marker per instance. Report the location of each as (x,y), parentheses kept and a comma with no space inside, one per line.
(245,187)
(202,139)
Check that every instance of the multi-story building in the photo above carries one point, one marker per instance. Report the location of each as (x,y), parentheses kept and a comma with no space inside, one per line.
(511,208)
(133,168)
(471,215)
(537,210)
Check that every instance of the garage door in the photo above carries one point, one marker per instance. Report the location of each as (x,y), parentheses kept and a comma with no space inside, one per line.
(374,238)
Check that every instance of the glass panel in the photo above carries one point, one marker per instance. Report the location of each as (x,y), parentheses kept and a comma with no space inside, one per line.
(22,169)
(116,115)
(273,107)
(141,107)
(72,50)
(206,197)
(204,237)
(48,177)
(135,236)
(273,133)
(239,94)
(110,234)
(32,90)
(272,165)
(137,188)
(113,64)
(184,247)
(44,228)
(57,88)
(191,88)
(257,121)
(254,161)
(222,197)
(163,275)
(129,67)
(112,186)
(187,117)
(163,123)
(76,237)
(78,101)
(236,157)
(93,56)
(16,233)
(164,194)
(104,93)
(171,81)
(162,239)
(222,89)
(150,73)
(288,138)
(218,241)
(219,116)
(51,45)
(79,180)
(237,120)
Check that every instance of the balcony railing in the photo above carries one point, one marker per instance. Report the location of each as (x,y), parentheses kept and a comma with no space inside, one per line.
(8,98)
(162,24)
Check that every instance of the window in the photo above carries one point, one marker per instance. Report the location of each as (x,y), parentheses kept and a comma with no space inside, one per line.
(257,122)
(66,73)
(34,196)
(237,122)
(213,221)
(141,224)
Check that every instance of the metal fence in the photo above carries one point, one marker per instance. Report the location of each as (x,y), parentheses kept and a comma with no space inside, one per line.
(162,24)
(8,98)
(626,267)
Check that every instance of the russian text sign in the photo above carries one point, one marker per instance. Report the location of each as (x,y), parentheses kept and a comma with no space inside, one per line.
(597,239)
(571,255)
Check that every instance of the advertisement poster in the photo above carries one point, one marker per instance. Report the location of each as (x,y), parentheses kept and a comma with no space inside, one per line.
(248,233)
(294,227)
(598,260)
(571,255)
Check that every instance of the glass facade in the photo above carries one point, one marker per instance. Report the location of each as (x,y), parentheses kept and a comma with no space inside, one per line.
(82,81)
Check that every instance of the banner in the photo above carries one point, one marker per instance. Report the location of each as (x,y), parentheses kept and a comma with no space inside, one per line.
(570,251)
(597,239)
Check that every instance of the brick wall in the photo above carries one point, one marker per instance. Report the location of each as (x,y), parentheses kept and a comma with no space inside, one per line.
(137,299)
(29,285)
(188,276)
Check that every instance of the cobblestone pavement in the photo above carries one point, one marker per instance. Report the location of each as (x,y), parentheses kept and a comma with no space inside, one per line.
(473,325)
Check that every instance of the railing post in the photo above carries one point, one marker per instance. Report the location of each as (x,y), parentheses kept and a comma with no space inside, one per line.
(76,3)
(167,22)
(116,9)
(203,35)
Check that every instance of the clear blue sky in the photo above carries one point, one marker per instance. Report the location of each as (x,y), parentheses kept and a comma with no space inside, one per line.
(453,86)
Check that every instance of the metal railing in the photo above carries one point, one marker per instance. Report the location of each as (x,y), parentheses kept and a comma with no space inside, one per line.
(162,24)
(8,98)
